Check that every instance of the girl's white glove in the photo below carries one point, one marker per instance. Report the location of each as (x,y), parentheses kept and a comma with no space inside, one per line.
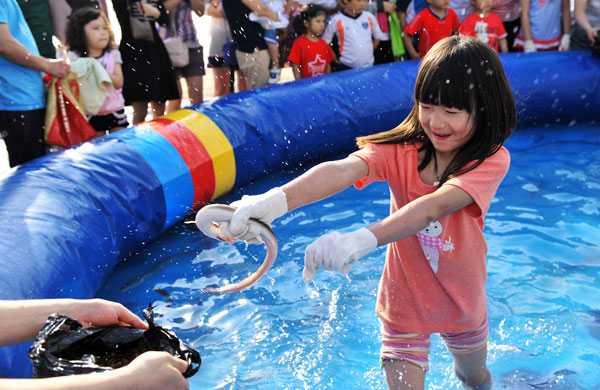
(336,251)
(265,208)
(529,46)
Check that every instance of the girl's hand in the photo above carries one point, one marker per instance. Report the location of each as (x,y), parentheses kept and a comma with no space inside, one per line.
(149,10)
(336,251)
(592,33)
(99,312)
(154,371)
(265,207)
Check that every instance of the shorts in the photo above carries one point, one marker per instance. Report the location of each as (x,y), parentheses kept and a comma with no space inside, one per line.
(219,62)
(23,134)
(196,65)
(271,36)
(414,347)
(109,121)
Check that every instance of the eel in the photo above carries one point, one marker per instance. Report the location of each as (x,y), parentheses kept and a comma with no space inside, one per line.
(207,221)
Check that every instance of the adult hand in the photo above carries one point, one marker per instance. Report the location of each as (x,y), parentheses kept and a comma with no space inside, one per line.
(336,251)
(58,68)
(265,207)
(389,7)
(592,34)
(154,371)
(100,312)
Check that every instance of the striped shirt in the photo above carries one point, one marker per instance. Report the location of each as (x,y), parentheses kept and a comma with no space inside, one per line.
(180,22)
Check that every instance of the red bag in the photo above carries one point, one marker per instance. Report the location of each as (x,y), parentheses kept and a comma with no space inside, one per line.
(66,124)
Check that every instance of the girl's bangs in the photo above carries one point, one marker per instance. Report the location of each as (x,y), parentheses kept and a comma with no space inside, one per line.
(448,83)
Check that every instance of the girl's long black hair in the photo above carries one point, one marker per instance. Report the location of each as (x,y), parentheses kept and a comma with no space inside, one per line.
(463,73)
(307,12)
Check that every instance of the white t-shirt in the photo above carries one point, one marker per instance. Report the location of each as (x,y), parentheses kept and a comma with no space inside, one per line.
(355,37)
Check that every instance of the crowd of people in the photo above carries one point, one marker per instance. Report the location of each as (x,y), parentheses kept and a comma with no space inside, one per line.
(253,38)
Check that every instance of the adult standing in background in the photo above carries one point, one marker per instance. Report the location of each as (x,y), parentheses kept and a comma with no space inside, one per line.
(37,15)
(223,73)
(61,9)
(147,71)
(587,24)
(22,95)
(510,13)
(249,37)
(181,24)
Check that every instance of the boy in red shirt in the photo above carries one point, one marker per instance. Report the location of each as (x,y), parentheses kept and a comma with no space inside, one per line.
(486,26)
(431,25)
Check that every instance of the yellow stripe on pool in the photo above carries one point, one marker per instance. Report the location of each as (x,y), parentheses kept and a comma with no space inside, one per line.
(215,142)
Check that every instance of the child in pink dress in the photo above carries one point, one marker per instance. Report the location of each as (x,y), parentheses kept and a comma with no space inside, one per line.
(443,165)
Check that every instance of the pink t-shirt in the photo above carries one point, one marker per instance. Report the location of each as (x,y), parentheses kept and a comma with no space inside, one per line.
(434,281)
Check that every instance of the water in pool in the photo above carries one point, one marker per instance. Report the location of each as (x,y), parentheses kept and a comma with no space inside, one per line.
(543,234)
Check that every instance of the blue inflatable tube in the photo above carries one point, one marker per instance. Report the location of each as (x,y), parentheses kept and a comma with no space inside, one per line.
(68,217)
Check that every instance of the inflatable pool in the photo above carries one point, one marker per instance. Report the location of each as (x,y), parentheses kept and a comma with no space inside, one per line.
(69,217)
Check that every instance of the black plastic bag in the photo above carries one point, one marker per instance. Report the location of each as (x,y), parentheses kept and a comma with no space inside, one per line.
(58,351)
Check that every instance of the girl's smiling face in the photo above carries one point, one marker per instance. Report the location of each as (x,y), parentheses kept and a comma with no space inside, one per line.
(96,36)
(447,128)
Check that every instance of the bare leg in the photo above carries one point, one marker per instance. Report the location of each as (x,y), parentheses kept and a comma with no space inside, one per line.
(241,81)
(194,89)
(274,53)
(158,108)
(403,375)
(471,369)
(172,105)
(140,110)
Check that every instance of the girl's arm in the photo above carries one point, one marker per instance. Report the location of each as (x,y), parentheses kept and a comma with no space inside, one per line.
(215,9)
(418,214)
(171,4)
(328,68)
(117,76)
(324,180)
(566,16)
(260,9)
(296,69)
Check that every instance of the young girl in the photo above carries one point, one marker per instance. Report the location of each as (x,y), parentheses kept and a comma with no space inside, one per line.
(443,165)
(89,36)
(310,55)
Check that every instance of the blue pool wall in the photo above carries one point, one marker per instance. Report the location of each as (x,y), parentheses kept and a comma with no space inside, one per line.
(68,217)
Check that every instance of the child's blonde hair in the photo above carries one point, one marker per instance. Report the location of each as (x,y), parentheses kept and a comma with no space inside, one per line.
(463,73)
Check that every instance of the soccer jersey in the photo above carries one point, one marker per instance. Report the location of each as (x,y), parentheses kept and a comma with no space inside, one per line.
(355,37)
(546,24)
(432,28)
(312,57)
(488,29)
(434,281)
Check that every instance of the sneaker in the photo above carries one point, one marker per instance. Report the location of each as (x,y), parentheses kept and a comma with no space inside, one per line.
(274,75)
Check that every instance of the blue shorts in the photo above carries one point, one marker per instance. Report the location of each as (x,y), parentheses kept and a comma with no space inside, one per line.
(271,36)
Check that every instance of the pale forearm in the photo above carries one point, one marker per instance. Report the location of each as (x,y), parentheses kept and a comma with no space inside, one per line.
(100,381)
(324,180)
(20,321)
(580,16)
(260,9)
(418,214)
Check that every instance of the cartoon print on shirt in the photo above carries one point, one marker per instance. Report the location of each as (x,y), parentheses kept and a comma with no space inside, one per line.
(431,243)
